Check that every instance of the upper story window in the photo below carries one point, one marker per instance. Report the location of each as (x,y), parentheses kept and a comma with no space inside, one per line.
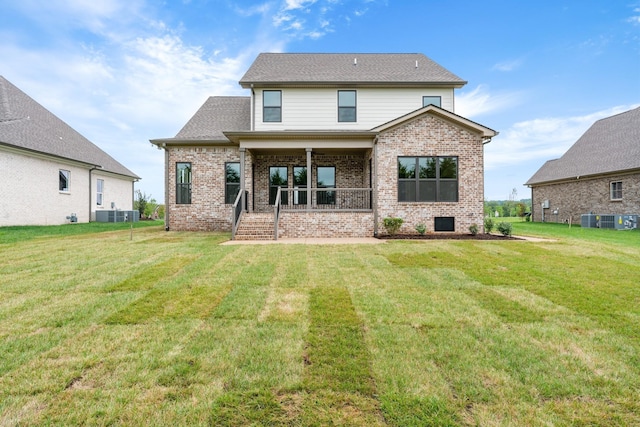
(99,191)
(183,183)
(271,106)
(347,106)
(616,190)
(63,180)
(435,100)
(427,179)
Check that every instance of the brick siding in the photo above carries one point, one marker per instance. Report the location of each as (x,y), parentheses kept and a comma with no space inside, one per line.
(325,224)
(207,210)
(429,135)
(582,196)
(426,135)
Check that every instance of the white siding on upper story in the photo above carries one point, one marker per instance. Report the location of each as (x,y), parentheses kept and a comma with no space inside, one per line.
(317,108)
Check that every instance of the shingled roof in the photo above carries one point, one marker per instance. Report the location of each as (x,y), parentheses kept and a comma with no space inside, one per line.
(27,125)
(355,69)
(218,114)
(610,145)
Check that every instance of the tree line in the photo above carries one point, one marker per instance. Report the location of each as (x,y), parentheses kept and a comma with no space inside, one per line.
(507,208)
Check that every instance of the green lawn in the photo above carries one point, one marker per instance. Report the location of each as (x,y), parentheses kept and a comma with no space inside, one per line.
(108,326)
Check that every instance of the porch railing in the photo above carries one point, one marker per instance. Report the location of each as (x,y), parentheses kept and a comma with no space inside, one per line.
(333,199)
(276,212)
(236,214)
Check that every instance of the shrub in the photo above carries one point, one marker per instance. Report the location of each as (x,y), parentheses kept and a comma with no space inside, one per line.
(421,228)
(473,229)
(392,225)
(488,225)
(505,228)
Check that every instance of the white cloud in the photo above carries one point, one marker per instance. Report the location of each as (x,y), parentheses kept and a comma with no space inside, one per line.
(298,4)
(541,138)
(481,101)
(509,65)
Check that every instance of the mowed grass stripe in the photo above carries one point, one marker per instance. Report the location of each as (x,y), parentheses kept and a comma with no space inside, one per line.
(149,276)
(187,287)
(337,354)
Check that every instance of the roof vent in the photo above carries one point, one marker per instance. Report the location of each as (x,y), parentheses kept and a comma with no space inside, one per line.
(355,61)
(416,63)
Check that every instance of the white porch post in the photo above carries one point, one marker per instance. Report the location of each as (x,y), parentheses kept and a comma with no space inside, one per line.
(242,183)
(309,150)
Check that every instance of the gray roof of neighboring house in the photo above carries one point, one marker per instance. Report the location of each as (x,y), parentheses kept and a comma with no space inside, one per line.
(272,69)
(610,145)
(27,125)
(218,114)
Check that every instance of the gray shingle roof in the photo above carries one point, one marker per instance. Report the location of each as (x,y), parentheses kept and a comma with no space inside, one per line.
(28,125)
(218,114)
(347,68)
(610,145)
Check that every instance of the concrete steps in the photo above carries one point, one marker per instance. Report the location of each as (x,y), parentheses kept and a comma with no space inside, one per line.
(255,226)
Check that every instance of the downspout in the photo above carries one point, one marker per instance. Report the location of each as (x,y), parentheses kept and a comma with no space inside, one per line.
(253,101)
(90,191)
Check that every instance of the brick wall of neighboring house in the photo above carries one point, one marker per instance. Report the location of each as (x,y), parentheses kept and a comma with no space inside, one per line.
(325,224)
(582,196)
(207,211)
(351,172)
(429,135)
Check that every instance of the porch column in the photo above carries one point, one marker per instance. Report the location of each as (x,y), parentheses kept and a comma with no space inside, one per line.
(374,190)
(242,184)
(309,150)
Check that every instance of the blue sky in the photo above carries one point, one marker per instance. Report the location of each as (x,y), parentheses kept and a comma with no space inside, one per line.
(122,72)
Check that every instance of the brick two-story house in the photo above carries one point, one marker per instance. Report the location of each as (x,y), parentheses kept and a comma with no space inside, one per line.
(329,145)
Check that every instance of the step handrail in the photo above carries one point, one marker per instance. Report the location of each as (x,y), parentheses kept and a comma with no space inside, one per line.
(276,213)
(236,215)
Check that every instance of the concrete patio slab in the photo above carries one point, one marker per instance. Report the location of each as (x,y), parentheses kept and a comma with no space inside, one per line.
(310,241)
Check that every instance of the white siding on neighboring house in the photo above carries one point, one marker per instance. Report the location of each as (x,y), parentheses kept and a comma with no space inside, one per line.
(116,190)
(31,196)
(317,108)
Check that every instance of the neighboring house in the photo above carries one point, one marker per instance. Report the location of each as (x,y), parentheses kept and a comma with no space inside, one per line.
(53,173)
(599,174)
(329,145)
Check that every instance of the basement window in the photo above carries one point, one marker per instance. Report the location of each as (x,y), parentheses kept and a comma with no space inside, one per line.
(444,223)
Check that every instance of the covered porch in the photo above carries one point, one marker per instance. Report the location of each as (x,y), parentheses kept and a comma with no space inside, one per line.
(308,182)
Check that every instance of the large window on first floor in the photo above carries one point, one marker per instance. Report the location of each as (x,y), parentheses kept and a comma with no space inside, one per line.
(326,179)
(232,182)
(300,181)
(63,180)
(278,177)
(183,183)
(615,190)
(428,179)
